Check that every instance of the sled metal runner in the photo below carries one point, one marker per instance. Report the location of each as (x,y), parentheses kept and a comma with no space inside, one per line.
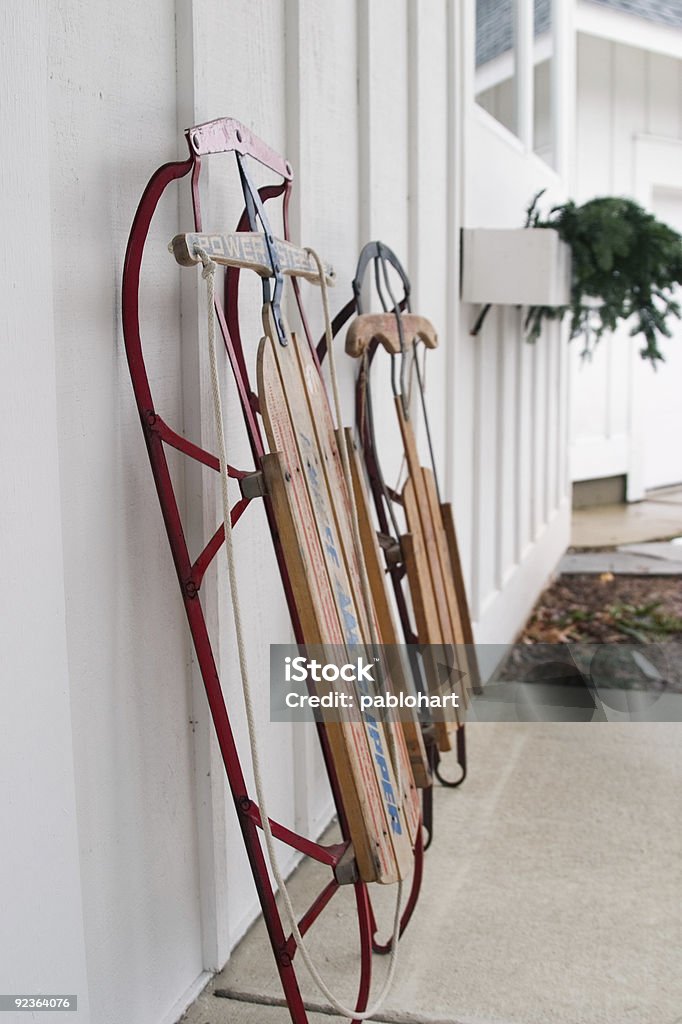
(427,556)
(284,415)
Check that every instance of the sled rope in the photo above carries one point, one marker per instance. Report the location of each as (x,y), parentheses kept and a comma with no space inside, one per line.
(208,273)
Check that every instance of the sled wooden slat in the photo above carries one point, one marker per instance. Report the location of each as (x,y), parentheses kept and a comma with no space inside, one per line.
(456,635)
(327,442)
(290,430)
(462,602)
(281,438)
(347,739)
(419,520)
(311,388)
(427,597)
(317,608)
(248,251)
(383,328)
(400,680)
(435,622)
(428,627)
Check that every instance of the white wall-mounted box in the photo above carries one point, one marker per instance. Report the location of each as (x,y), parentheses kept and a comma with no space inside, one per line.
(515,267)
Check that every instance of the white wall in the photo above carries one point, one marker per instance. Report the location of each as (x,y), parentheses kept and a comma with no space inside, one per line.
(112,118)
(41,909)
(371,103)
(512,398)
(624,94)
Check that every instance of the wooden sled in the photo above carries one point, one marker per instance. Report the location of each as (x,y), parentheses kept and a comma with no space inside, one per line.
(307,506)
(427,553)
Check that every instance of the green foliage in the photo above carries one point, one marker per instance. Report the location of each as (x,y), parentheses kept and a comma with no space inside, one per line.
(626,263)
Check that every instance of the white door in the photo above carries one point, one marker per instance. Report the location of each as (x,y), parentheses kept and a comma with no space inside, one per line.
(661,391)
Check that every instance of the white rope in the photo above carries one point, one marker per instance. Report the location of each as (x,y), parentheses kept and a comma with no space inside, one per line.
(208,274)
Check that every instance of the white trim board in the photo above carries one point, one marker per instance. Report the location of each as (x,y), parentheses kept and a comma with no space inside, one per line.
(618,27)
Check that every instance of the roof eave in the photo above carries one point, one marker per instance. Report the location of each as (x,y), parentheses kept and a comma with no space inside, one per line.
(618,27)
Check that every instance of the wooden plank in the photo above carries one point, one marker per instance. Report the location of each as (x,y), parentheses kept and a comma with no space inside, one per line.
(456,635)
(428,629)
(313,387)
(456,631)
(460,589)
(290,430)
(248,250)
(310,412)
(383,327)
(347,741)
(389,633)
(429,623)
(419,519)
(319,618)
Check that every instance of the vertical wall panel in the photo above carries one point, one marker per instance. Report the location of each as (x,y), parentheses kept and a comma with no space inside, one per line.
(42,905)
(240,70)
(524,442)
(428,206)
(486,438)
(539,431)
(383,169)
(551,391)
(593,136)
(662,96)
(628,112)
(507,509)
(127,638)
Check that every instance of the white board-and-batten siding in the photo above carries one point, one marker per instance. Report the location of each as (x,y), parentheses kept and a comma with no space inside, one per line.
(628,99)
(371,102)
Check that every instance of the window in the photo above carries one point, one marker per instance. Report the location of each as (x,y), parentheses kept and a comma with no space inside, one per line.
(514,74)
(496,60)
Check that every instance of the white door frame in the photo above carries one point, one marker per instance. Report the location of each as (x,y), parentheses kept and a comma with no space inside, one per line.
(657,164)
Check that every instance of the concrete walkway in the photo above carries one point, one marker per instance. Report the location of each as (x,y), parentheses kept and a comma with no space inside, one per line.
(657,558)
(659,517)
(552,892)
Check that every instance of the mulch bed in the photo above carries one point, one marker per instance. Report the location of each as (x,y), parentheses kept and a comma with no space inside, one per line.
(590,610)
(607,609)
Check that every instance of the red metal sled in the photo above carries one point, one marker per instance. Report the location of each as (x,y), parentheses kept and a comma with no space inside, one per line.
(223,136)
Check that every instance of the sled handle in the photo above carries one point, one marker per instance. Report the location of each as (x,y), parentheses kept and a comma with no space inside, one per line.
(226,135)
(381,252)
(383,328)
(247,250)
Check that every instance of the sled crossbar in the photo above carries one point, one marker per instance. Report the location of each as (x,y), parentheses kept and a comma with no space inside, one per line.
(248,251)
